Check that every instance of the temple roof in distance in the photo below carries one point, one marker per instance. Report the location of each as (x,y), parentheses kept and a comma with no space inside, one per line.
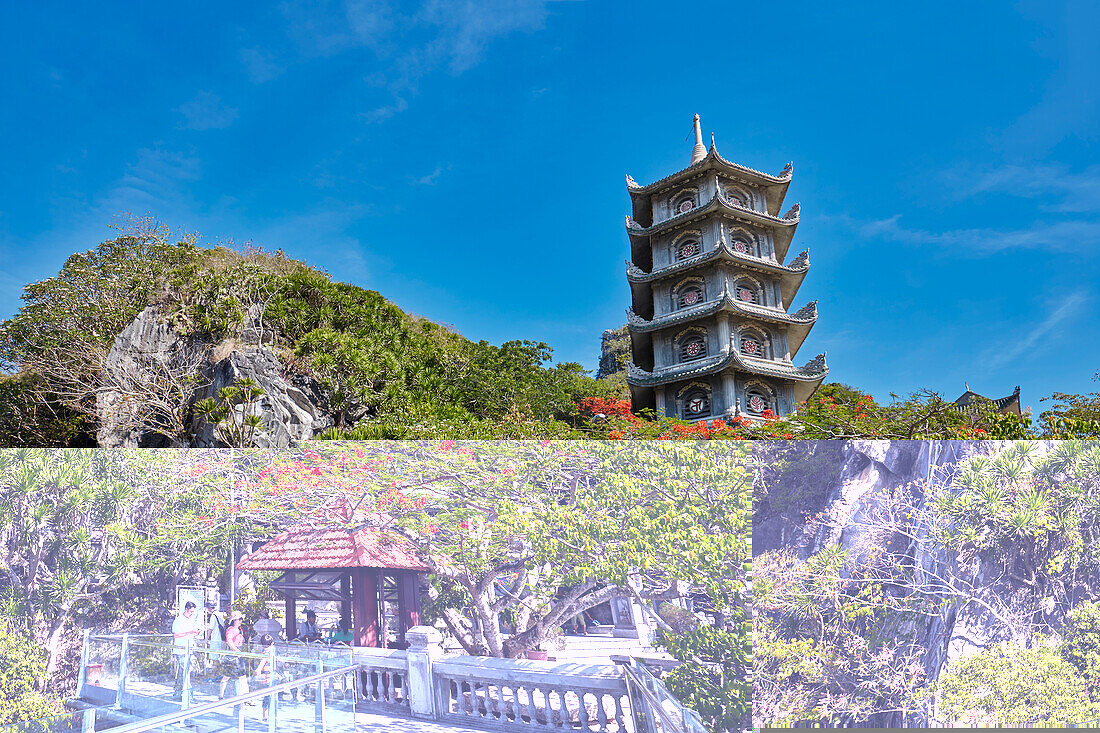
(1009,404)
(308,548)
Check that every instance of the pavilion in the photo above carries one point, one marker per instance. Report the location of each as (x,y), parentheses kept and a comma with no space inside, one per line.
(374,574)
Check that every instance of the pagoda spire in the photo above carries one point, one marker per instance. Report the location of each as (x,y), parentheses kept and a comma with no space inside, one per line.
(699,151)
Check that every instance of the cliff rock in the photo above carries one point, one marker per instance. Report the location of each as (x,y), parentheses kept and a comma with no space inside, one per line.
(153,375)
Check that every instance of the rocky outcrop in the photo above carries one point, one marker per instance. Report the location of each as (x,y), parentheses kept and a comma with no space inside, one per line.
(873,475)
(153,375)
(614,352)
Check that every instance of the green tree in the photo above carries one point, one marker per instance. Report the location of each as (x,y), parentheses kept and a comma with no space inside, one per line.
(1081,642)
(1072,415)
(22,664)
(1013,685)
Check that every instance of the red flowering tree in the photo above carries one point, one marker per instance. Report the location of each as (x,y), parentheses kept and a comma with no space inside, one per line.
(835,411)
(525,533)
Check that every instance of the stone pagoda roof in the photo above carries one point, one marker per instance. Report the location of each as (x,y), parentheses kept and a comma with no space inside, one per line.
(807,377)
(782,227)
(790,276)
(775,187)
(798,323)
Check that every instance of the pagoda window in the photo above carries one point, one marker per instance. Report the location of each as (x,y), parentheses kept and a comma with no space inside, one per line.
(687,249)
(754,343)
(737,197)
(696,404)
(746,291)
(683,205)
(742,246)
(693,346)
(757,401)
(689,296)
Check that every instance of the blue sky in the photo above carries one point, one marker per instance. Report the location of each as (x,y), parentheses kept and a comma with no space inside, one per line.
(467,159)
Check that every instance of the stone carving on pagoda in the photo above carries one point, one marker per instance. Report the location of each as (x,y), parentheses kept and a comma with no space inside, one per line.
(711,328)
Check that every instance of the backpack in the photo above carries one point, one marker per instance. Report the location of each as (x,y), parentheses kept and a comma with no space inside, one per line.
(219,632)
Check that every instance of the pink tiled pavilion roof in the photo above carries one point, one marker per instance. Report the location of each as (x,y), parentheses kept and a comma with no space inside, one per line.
(307,548)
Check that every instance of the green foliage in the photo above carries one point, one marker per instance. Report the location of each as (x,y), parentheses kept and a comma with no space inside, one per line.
(828,646)
(1072,416)
(1036,516)
(22,666)
(233,414)
(28,419)
(711,679)
(1081,642)
(1012,684)
(407,376)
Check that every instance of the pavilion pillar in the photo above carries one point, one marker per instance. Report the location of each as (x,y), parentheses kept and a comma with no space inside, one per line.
(364,606)
(408,598)
(345,605)
(291,610)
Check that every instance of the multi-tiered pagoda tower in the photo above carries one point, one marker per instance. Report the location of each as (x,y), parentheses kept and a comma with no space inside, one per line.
(710,328)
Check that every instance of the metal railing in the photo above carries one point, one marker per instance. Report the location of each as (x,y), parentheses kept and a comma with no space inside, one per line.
(238,702)
(655,709)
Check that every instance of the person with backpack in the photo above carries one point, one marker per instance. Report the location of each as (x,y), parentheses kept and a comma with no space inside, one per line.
(215,626)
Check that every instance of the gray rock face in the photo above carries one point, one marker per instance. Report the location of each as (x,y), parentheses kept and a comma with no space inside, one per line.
(614,352)
(290,412)
(870,474)
(153,375)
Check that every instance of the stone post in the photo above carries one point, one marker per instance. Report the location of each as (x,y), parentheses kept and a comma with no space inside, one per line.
(425,647)
(123,669)
(83,679)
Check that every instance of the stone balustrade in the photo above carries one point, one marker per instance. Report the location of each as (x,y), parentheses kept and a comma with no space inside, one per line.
(498,694)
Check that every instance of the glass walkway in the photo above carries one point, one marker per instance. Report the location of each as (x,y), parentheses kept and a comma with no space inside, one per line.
(133,682)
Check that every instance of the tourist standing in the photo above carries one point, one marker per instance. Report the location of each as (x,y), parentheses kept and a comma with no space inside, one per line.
(232,666)
(186,628)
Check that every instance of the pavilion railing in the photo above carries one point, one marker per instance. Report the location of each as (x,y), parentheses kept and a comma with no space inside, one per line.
(506,694)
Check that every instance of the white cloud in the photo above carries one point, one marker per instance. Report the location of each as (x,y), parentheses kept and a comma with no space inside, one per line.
(450,35)
(1019,346)
(157,178)
(431,179)
(1072,192)
(260,65)
(386,111)
(206,112)
(1071,235)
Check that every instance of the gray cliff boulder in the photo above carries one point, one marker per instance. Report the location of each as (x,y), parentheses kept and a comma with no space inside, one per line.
(153,375)
(292,407)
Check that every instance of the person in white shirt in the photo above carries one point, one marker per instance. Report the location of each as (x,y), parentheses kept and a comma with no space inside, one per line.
(187,627)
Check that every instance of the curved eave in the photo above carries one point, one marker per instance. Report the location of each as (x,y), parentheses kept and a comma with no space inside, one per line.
(775,187)
(810,375)
(806,317)
(782,228)
(790,276)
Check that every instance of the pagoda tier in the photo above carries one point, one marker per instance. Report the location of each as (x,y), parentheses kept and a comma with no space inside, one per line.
(790,276)
(773,187)
(798,324)
(782,227)
(807,376)
(709,324)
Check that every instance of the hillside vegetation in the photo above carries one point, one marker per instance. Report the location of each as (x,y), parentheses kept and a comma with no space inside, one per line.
(397,374)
